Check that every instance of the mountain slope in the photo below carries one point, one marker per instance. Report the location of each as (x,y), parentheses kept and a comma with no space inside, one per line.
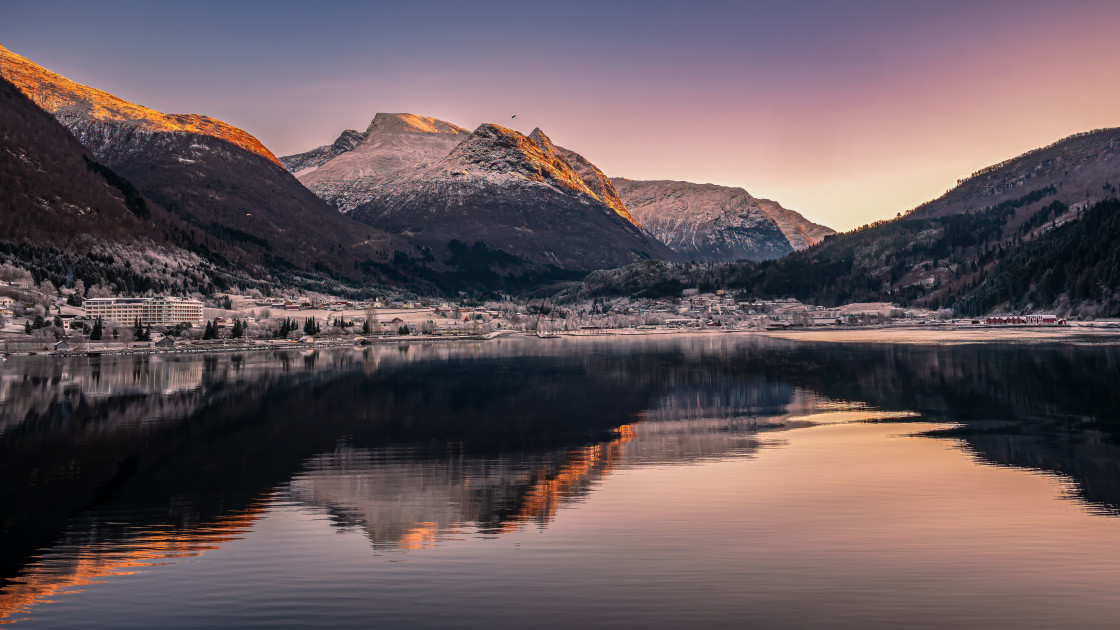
(1005,239)
(706,222)
(66,217)
(596,181)
(66,99)
(1074,266)
(1081,167)
(219,180)
(313,159)
(500,187)
(346,177)
(51,188)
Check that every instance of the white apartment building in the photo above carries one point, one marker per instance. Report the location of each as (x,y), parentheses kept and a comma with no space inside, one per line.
(157,311)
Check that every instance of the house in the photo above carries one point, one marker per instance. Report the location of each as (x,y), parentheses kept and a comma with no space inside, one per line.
(62,346)
(166,342)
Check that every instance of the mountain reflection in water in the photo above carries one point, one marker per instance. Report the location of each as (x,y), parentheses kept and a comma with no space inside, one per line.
(113,464)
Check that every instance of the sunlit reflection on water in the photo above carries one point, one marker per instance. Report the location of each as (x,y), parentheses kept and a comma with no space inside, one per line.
(672,483)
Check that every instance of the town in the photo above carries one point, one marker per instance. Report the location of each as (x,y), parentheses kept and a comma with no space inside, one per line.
(37,318)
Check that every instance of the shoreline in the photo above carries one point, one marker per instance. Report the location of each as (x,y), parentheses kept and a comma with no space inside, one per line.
(948,334)
(260,346)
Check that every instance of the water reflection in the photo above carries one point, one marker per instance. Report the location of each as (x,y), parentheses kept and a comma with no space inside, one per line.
(110,464)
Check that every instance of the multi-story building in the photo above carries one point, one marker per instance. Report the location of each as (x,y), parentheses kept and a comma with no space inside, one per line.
(157,311)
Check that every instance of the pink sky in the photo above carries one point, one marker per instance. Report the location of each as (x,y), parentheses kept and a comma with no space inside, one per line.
(847,112)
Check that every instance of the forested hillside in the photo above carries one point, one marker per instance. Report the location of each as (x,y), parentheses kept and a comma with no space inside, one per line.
(1077,263)
(975,262)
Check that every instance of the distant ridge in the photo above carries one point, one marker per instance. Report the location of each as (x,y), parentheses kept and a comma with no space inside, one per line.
(707,222)
(1079,166)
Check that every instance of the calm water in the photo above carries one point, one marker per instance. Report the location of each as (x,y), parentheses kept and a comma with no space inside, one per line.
(714,480)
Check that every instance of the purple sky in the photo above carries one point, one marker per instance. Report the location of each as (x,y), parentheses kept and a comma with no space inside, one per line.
(845,111)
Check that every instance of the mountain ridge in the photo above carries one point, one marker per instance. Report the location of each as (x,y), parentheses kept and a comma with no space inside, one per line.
(347,171)
(234,201)
(501,187)
(62,97)
(598,184)
(710,222)
(1078,165)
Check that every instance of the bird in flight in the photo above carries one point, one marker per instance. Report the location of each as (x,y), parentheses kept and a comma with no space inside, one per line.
(514,116)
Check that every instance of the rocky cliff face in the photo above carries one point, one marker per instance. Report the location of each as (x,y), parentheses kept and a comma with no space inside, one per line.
(705,222)
(596,181)
(507,190)
(310,160)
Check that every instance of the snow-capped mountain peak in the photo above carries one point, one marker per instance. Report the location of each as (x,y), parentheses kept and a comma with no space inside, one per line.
(344,173)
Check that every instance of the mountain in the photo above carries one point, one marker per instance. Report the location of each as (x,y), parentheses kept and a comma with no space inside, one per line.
(705,222)
(313,159)
(1039,232)
(67,217)
(347,172)
(51,187)
(699,222)
(502,188)
(1083,168)
(223,185)
(596,181)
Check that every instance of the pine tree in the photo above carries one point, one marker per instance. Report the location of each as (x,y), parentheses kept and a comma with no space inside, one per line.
(238,330)
(98,330)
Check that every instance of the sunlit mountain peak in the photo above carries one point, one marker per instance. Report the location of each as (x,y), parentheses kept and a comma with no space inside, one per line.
(62,97)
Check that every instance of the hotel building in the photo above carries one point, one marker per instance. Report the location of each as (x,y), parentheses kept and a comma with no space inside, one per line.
(157,311)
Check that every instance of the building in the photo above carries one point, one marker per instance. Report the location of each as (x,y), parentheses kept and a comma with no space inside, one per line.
(1029,320)
(157,311)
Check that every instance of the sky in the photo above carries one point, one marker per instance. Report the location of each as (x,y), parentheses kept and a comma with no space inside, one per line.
(847,112)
